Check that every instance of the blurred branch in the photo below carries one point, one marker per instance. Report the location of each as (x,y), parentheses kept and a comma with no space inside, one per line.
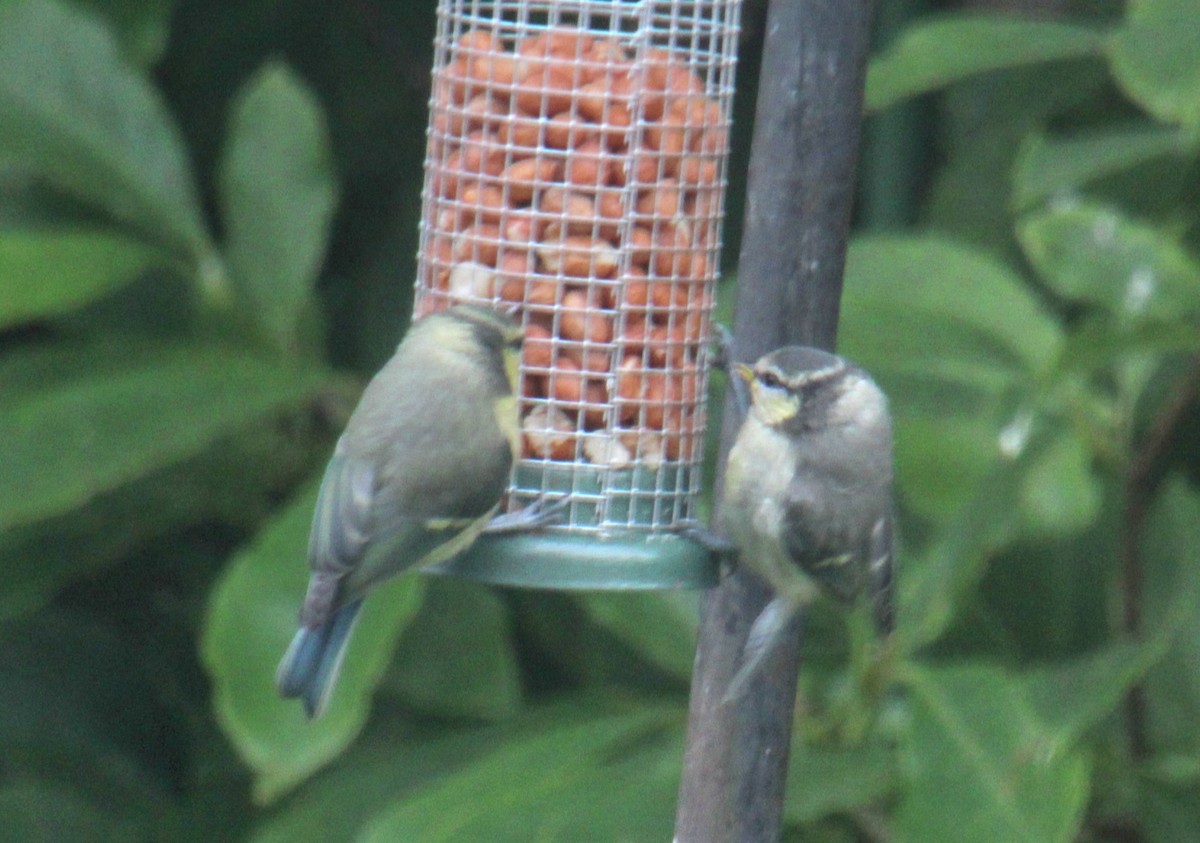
(1146,473)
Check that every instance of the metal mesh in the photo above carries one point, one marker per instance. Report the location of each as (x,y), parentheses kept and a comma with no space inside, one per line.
(575,172)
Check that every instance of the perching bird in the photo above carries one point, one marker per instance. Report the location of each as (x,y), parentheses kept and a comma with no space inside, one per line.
(807,499)
(415,478)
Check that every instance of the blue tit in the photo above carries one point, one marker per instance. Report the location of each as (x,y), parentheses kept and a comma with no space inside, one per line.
(807,498)
(415,478)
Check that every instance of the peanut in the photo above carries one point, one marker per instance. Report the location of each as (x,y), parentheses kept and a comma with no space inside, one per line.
(549,433)
(479,243)
(523,176)
(578,256)
(579,322)
(538,348)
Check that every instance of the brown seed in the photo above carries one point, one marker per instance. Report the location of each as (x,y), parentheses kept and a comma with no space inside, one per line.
(583,324)
(549,433)
(546,90)
(578,256)
(479,243)
(588,165)
(444,179)
(522,177)
(566,381)
(673,255)
(609,204)
(565,131)
(661,201)
(640,168)
(481,154)
(512,290)
(518,131)
(694,170)
(513,265)
(483,202)
(668,137)
(640,242)
(450,84)
(521,226)
(542,291)
(577,210)
(538,348)
(487,60)
(714,140)
(596,407)
(562,42)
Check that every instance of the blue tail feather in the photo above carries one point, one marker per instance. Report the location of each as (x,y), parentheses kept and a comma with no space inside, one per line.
(310,667)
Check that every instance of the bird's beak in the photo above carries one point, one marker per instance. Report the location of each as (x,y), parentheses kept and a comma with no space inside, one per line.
(745,372)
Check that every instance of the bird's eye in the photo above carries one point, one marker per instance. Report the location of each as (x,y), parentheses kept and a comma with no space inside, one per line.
(770,380)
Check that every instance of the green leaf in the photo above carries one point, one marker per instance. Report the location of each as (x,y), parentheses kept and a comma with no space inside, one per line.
(605,776)
(253,614)
(1171,563)
(1048,166)
(1060,495)
(824,781)
(977,744)
(235,481)
(81,420)
(659,626)
(1155,57)
(278,195)
(1097,255)
(457,658)
(949,333)
(45,273)
(1099,343)
(49,812)
(1169,813)
(932,54)
(932,588)
(1075,696)
(74,112)
(371,775)
(141,25)
(940,461)
(75,707)
(933,307)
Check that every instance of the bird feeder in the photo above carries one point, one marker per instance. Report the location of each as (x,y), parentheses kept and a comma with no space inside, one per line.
(575,175)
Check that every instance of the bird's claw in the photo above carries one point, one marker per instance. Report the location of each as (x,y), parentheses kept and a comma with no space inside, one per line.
(723,361)
(722,358)
(709,539)
(542,512)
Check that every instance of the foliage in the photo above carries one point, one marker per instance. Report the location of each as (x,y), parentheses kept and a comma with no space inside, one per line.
(198,218)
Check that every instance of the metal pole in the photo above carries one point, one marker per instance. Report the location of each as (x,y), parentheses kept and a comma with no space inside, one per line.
(799,193)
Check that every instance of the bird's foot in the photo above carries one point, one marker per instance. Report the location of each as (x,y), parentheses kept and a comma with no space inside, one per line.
(542,512)
(723,361)
(709,539)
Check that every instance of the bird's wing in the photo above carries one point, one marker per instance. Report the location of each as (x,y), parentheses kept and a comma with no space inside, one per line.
(817,538)
(341,529)
(881,570)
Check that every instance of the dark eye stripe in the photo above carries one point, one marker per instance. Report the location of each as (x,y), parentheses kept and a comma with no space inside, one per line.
(770,380)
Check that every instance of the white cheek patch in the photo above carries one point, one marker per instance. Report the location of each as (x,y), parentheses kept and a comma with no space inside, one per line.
(862,402)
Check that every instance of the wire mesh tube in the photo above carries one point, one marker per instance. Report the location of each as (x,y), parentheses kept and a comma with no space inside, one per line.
(575,172)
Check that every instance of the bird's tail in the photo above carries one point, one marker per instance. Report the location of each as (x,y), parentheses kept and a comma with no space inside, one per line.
(309,669)
(766,633)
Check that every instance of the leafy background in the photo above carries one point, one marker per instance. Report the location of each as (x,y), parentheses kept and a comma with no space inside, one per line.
(207,222)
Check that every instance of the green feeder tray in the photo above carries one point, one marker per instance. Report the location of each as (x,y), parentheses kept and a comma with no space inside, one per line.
(609,541)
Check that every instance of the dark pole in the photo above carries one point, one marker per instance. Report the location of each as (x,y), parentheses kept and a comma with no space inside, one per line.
(799,193)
